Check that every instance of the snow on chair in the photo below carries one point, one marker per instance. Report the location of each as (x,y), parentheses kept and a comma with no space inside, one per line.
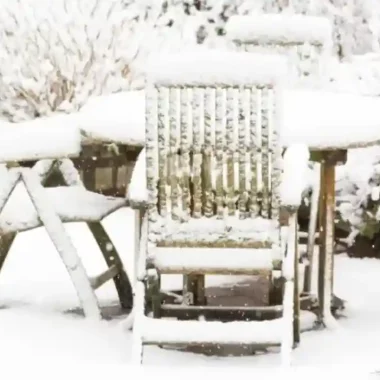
(213,172)
(21,210)
(305,40)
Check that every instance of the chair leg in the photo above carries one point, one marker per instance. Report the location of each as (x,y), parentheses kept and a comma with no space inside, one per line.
(139,310)
(111,256)
(312,232)
(297,306)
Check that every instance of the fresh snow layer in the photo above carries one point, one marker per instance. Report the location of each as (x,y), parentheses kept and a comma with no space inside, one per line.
(38,139)
(212,68)
(329,120)
(35,290)
(203,260)
(294,178)
(264,332)
(114,118)
(211,229)
(279,28)
(137,186)
(318,119)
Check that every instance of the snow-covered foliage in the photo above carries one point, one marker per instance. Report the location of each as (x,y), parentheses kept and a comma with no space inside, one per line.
(52,58)
(358,193)
(55,58)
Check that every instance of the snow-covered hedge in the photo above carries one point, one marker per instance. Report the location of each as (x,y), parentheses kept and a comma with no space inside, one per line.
(53,56)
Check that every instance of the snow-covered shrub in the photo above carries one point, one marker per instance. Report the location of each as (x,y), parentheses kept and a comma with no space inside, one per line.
(53,56)
(358,193)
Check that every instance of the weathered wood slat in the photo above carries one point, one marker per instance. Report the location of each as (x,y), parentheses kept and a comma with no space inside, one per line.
(173,173)
(197,152)
(151,162)
(230,151)
(209,105)
(243,194)
(219,144)
(185,97)
(265,153)
(162,151)
(253,122)
(276,156)
(101,279)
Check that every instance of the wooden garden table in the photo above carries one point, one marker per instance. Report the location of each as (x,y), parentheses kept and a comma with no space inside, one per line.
(329,124)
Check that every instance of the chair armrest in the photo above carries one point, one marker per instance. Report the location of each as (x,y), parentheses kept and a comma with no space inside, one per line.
(137,194)
(295,176)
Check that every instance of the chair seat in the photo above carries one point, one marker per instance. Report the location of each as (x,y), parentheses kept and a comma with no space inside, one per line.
(229,232)
(72,204)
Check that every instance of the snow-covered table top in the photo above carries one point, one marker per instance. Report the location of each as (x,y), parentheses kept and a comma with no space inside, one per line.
(321,120)
(118,117)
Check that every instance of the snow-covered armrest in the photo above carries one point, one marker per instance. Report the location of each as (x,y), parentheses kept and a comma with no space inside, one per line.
(137,194)
(295,175)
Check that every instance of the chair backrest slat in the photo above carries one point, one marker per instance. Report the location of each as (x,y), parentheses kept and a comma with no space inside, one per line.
(173,157)
(197,151)
(230,151)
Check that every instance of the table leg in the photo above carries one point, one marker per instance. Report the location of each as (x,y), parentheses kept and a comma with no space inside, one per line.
(326,253)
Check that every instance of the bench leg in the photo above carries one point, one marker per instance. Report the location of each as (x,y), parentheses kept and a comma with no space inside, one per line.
(111,256)
(62,242)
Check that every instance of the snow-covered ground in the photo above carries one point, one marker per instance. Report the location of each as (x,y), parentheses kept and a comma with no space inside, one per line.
(36,334)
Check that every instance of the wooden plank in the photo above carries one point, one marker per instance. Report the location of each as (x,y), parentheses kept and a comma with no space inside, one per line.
(214,271)
(242,148)
(162,152)
(101,279)
(197,156)
(219,151)
(173,157)
(224,313)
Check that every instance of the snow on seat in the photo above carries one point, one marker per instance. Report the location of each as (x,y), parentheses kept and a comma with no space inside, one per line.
(72,204)
(242,332)
(213,260)
(38,139)
(229,231)
(163,331)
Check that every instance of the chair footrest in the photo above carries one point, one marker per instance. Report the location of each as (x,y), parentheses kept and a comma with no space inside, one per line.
(212,260)
(225,313)
(165,331)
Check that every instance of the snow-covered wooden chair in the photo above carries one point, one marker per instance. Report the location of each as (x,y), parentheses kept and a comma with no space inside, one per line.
(216,201)
(50,207)
(307,42)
